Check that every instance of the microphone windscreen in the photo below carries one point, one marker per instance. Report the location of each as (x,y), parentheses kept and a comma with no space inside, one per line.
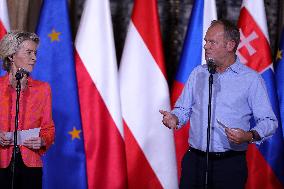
(21,73)
(211,66)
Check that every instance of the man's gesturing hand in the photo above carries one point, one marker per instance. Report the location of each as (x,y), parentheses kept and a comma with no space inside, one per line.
(169,120)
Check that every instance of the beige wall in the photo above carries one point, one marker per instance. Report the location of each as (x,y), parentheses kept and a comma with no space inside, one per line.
(23,14)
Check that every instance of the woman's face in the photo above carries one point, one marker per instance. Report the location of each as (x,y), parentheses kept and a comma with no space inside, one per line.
(25,57)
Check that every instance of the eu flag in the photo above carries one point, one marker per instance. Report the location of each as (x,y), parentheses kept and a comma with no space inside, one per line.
(279,75)
(64,164)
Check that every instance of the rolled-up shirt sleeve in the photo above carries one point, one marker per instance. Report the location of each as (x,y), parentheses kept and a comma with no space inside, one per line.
(183,106)
(265,120)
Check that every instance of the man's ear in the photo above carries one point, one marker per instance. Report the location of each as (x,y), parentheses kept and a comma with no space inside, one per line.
(231,45)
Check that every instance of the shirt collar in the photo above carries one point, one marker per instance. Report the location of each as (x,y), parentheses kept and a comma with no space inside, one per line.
(236,66)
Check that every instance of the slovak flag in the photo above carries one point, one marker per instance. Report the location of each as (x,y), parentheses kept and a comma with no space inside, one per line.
(265,162)
(150,151)
(203,12)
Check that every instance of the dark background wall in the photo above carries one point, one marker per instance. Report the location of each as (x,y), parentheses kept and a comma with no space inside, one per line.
(174,15)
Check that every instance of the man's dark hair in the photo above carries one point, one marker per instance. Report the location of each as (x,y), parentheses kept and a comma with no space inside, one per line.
(231,31)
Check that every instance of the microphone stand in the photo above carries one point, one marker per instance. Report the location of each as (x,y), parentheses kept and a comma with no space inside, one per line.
(212,70)
(16,147)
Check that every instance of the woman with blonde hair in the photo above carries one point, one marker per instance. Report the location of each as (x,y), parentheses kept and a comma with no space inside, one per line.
(18,52)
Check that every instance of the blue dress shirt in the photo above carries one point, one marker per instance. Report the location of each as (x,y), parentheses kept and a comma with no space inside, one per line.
(238,94)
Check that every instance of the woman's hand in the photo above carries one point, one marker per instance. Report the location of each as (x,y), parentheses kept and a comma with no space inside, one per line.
(4,141)
(34,143)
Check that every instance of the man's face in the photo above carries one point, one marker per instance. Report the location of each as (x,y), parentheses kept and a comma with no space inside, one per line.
(215,44)
(25,57)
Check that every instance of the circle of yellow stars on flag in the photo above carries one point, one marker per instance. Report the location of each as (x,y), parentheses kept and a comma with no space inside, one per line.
(75,133)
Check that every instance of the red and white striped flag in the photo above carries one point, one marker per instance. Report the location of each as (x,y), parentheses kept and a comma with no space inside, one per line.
(4,19)
(97,76)
(150,150)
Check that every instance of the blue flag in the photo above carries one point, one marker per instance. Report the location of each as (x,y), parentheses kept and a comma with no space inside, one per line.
(2,72)
(64,164)
(273,149)
(279,75)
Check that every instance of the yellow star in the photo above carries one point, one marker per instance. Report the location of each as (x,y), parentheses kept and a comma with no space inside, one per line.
(75,133)
(54,36)
(279,54)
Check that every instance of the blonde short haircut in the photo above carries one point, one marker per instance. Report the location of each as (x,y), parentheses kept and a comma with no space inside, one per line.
(10,44)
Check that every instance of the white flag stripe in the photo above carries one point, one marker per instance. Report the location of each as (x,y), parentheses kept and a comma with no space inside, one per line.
(4,14)
(257,10)
(98,55)
(144,92)
(210,14)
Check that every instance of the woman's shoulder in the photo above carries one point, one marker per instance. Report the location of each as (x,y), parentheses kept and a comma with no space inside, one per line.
(42,85)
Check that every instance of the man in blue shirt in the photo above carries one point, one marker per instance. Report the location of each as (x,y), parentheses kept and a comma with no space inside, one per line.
(238,95)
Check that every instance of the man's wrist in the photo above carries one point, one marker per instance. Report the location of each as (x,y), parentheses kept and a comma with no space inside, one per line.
(254,136)
(176,119)
(251,137)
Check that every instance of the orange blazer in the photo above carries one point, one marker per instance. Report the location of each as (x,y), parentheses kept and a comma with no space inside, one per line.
(34,112)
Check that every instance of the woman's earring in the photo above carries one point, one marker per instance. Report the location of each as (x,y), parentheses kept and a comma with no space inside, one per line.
(11,59)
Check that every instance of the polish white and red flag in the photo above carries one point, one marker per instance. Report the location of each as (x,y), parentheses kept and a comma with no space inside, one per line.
(97,75)
(150,149)
(4,18)
(265,162)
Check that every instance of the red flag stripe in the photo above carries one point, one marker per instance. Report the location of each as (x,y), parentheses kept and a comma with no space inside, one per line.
(3,31)
(259,171)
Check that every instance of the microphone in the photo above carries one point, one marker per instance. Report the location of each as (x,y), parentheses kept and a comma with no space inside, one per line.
(21,73)
(211,66)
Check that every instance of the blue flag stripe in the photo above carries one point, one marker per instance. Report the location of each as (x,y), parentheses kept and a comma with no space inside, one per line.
(192,49)
(273,149)
(278,154)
